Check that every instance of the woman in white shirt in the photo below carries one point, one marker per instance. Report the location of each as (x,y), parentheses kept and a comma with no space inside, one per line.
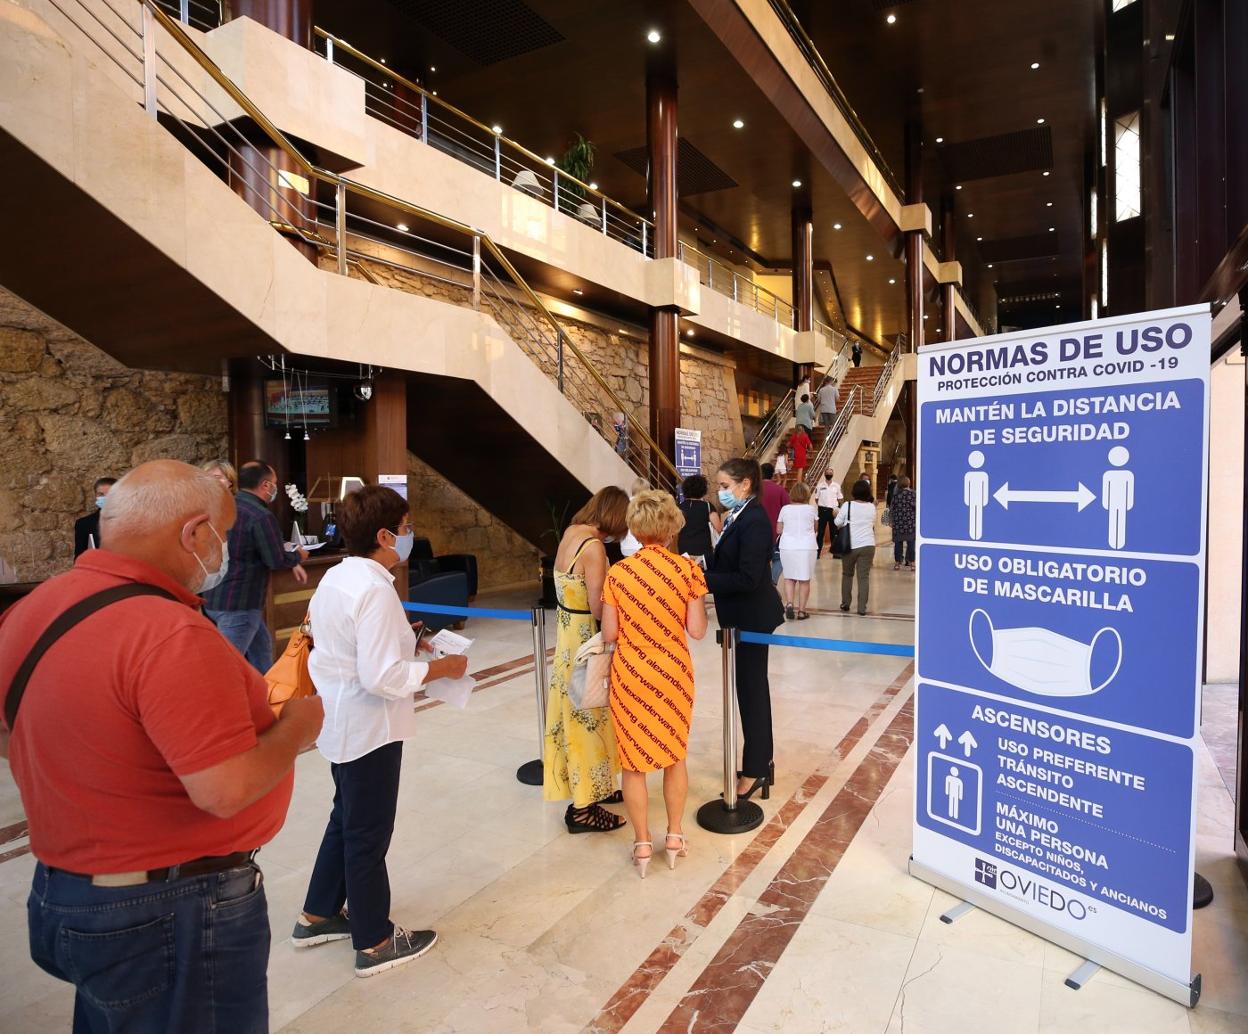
(859,513)
(365,670)
(796,525)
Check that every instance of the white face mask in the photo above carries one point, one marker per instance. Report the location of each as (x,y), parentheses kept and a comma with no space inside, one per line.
(214,578)
(1040,661)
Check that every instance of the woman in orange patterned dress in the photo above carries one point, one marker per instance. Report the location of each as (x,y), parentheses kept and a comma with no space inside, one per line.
(650,601)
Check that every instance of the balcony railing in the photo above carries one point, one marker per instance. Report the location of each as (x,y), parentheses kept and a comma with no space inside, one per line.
(354,225)
(411,109)
(199,14)
(741,289)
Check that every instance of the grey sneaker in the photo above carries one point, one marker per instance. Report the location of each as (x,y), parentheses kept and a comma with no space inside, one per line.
(404,946)
(308,935)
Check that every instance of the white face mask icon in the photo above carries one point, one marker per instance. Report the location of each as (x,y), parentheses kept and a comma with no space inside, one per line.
(1044,662)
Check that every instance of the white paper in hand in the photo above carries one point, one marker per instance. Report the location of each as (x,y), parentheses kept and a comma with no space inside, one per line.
(447,642)
(455,692)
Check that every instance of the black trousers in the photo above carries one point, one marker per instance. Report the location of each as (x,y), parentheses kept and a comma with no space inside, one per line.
(754,703)
(351,864)
(827,519)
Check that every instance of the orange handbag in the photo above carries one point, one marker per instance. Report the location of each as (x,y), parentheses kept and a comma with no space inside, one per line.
(289,678)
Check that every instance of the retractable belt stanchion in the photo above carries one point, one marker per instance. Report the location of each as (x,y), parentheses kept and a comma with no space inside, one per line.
(727,814)
(531,773)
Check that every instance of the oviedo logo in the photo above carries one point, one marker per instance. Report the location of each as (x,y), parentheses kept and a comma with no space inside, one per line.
(1017,885)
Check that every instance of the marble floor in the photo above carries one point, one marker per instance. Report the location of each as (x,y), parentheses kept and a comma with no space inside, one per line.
(807,924)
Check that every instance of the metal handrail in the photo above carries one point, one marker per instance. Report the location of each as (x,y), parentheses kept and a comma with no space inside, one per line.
(571,186)
(658,466)
(807,46)
(742,289)
(782,413)
(886,374)
(823,457)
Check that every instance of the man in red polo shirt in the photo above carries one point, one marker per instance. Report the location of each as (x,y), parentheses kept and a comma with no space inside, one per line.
(151,770)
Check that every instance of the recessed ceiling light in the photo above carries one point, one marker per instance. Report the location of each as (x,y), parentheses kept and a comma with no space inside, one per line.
(593,186)
(1045,173)
(1052,229)
(958,187)
(577,290)
(797,183)
(738,123)
(1039,122)
(891,19)
(970,215)
(836,226)
(989,265)
(979,238)
(383,60)
(497,129)
(689,333)
(654,36)
(870,258)
(550,160)
(891,280)
(1035,65)
(1048,204)
(940,139)
(1169,37)
(433,68)
(435,93)
(401,226)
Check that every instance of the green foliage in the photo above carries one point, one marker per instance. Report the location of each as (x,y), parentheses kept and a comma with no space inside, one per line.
(578,160)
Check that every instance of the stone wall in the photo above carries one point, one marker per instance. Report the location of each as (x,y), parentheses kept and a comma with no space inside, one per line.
(453,523)
(69,413)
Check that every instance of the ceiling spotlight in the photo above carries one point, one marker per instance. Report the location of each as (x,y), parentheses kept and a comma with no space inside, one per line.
(1035,65)
(738,123)
(497,129)
(550,160)
(401,227)
(1039,122)
(891,19)
(979,238)
(593,186)
(836,226)
(654,36)
(577,290)
(989,265)
(1048,204)
(797,183)
(435,93)
(1045,173)
(891,280)
(433,68)
(958,187)
(1052,229)
(870,258)
(970,215)
(383,60)
(1169,37)
(689,333)
(940,139)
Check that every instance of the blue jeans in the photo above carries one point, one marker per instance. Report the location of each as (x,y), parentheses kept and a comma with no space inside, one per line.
(247,632)
(189,955)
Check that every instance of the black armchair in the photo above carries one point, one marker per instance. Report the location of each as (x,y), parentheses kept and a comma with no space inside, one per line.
(423,565)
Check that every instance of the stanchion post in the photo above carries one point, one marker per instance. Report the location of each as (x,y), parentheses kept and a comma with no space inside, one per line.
(727,814)
(532,773)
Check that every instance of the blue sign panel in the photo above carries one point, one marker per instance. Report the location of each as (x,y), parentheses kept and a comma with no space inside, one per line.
(1061,479)
(1075,633)
(1092,810)
(688,451)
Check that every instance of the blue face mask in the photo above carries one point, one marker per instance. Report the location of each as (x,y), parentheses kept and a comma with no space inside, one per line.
(214,578)
(729,501)
(403,545)
(99,502)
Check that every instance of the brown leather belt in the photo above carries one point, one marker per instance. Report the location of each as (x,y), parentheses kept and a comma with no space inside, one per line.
(196,867)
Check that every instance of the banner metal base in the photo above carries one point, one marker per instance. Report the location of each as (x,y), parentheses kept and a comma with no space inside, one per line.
(713,815)
(1185,994)
(531,773)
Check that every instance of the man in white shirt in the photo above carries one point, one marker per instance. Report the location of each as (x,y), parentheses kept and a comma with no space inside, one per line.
(828,497)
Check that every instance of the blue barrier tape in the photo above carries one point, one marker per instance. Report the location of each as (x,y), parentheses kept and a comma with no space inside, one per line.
(467,612)
(839,645)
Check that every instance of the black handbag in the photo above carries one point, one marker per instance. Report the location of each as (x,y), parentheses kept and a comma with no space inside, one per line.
(841,542)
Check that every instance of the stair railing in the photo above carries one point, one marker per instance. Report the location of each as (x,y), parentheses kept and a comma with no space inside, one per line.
(287,193)
(853,403)
(881,385)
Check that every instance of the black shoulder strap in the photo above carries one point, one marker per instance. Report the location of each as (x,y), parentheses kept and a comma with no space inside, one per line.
(63,623)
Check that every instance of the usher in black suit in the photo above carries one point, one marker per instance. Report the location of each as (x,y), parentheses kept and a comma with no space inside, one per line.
(739,577)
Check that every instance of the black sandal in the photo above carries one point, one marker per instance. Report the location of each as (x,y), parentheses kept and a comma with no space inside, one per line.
(591,820)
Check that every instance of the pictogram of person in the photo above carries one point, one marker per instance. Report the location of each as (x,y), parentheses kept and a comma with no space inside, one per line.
(1118,496)
(975,494)
(953,791)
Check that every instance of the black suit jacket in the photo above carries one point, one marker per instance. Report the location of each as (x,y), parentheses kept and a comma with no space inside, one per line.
(84,526)
(739,574)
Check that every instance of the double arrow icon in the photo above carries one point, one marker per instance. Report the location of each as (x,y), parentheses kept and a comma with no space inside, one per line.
(966,740)
(1081,496)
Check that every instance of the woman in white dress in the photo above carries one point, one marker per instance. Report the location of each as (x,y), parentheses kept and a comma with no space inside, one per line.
(798,546)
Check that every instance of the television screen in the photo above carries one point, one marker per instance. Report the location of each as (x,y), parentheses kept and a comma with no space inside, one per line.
(314,405)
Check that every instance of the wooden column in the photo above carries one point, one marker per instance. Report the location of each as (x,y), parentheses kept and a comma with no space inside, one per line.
(803,265)
(914,238)
(664,330)
(262,174)
(948,253)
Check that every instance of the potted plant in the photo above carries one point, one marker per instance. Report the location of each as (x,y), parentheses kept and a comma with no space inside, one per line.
(558,525)
(578,161)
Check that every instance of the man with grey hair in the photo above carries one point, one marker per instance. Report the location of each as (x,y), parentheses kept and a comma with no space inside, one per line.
(150,767)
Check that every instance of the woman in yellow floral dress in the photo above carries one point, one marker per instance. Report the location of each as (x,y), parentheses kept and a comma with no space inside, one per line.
(581,761)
